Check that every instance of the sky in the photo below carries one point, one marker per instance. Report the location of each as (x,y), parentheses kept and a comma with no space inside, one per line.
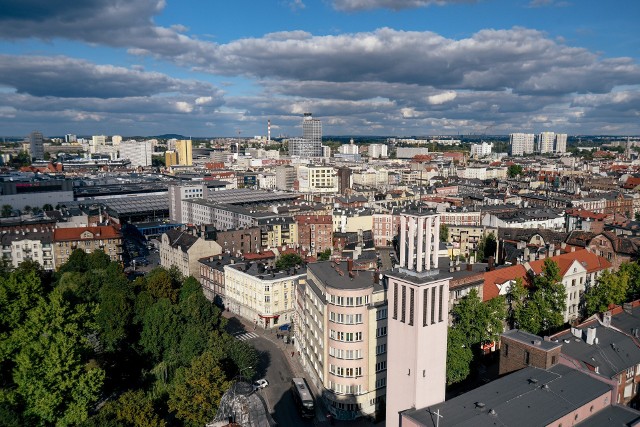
(207,68)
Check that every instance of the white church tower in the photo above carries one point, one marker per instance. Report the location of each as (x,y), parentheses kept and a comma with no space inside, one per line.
(418,319)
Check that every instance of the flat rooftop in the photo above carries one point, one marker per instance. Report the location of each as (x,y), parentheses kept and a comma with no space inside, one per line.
(530,397)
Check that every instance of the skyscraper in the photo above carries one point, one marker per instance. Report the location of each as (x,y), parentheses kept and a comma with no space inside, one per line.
(36,145)
(311,128)
(522,143)
(97,143)
(418,319)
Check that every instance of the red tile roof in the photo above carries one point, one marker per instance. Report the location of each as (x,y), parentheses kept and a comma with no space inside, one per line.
(589,260)
(73,234)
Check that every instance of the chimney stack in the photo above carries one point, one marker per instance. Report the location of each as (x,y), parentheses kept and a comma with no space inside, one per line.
(491,263)
(350,265)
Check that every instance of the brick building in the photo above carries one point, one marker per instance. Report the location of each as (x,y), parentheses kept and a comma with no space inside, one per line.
(519,349)
(315,233)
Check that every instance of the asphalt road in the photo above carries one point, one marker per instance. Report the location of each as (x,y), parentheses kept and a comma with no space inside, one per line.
(274,367)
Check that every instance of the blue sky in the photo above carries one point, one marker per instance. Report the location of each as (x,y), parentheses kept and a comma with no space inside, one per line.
(364,67)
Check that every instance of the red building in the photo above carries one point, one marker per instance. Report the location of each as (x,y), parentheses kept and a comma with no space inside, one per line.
(315,233)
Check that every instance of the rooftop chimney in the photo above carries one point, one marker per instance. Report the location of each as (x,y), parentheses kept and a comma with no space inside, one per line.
(350,265)
(591,335)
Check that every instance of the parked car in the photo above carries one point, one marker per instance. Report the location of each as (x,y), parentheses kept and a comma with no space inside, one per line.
(260,384)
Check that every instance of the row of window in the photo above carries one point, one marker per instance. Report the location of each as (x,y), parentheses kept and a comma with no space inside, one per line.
(348,301)
(345,372)
(345,336)
(348,319)
(339,353)
(345,388)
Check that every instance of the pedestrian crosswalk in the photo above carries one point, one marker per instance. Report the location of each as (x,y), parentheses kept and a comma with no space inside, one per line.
(244,336)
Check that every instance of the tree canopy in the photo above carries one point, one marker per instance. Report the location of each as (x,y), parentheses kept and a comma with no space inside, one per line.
(67,344)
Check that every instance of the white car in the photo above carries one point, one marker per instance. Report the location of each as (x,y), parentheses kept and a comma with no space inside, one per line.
(260,384)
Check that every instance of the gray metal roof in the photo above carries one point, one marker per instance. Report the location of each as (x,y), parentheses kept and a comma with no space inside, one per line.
(614,352)
(613,416)
(530,397)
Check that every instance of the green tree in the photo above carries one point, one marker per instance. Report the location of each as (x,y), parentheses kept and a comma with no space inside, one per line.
(516,300)
(160,336)
(632,269)
(474,323)
(444,232)
(78,262)
(47,207)
(611,288)
(514,170)
(324,255)
(487,246)
(197,391)
(459,357)
(287,261)
(7,210)
(132,409)
(543,308)
(53,375)
(115,312)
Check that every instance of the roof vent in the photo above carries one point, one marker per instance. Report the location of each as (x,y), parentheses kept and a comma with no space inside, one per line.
(492,412)
(480,405)
(533,381)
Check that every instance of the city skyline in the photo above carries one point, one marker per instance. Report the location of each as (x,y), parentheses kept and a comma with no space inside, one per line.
(363,67)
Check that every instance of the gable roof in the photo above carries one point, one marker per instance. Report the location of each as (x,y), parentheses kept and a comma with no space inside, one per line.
(181,239)
(75,233)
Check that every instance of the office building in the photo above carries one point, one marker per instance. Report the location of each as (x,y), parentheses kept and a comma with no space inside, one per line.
(418,319)
(285,177)
(170,158)
(546,142)
(185,154)
(70,138)
(314,179)
(304,148)
(138,152)
(522,143)
(350,148)
(311,128)
(36,145)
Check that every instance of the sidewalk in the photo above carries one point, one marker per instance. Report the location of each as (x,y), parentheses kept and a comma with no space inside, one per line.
(298,371)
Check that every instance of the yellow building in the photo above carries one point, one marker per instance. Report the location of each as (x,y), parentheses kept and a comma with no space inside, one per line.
(185,155)
(170,158)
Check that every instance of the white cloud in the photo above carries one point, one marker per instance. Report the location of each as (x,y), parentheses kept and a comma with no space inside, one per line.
(442,98)
(359,5)
(204,100)
(184,107)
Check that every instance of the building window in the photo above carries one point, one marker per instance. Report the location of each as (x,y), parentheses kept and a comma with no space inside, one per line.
(404,303)
(526,357)
(382,331)
(433,305)
(505,349)
(440,303)
(395,301)
(411,300)
(380,314)
(425,301)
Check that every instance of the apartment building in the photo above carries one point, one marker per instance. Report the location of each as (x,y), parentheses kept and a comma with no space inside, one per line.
(342,336)
(36,246)
(315,233)
(522,143)
(182,250)
(89,239)
(262,294)
(384,228)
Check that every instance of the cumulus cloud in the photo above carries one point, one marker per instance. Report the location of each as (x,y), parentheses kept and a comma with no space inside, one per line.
(359,5)
(66,77)
(441,98)
(184,107)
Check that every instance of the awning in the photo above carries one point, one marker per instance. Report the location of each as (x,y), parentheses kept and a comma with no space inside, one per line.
(285,327)
(268,316)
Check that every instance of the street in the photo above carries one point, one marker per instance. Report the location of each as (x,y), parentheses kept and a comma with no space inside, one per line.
(275,368)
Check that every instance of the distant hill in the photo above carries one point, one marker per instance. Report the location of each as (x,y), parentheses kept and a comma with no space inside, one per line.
(170,136)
